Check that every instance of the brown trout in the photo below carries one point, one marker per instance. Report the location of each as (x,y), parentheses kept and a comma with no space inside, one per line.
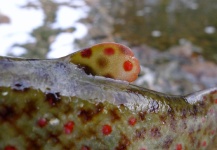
(67,104)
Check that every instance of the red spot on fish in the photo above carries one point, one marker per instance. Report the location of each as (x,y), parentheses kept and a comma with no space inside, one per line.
(106,129)
(132,121)
(215,101)
(42,122)
(86,53)
(213,132)
(68,127)
(85,148)
(128,66)
(179,147)
(9,147)
(203,143)
(109,51)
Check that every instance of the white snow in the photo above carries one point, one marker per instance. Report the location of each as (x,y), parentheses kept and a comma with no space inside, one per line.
(68,17)
(17,51)
(24,20)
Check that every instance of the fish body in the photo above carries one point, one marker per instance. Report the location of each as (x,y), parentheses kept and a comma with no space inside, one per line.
(53,104)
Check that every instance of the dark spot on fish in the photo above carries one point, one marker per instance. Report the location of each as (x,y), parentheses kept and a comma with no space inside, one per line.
(202,104)
(184,124)
(102,62)
(199,128)
(140,133)
(142,115)
(155,132)
(87,114)
(194,111)
(30,108)
(54,138)
(53,98)
(123,143)
(88,70)
(172,119)
(68,109)
(67,146)
(183,113)
(114,115)
(167,142)
(192,138)
(33,144)
(7,113)
(163,118)
(99,107)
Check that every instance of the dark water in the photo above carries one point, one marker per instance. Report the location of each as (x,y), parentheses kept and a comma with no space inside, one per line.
(157,23)
(163,23)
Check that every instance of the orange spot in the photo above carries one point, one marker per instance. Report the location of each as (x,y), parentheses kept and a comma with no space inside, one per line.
(109,51)
(106,129)
(128,66)
(179,147)
(68,127)
(86,53)
(132,121)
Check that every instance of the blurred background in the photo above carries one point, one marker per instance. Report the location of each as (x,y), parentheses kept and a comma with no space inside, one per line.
(175,40)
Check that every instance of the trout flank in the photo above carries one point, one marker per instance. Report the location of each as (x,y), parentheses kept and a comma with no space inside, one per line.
(67,104)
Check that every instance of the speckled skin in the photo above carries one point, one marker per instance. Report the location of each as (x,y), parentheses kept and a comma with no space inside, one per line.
(51,104)
(111,60)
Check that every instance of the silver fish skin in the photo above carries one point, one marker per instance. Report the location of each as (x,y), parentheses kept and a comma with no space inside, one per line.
(52,104)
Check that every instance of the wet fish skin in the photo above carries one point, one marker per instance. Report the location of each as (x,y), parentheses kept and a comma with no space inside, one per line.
(52,104)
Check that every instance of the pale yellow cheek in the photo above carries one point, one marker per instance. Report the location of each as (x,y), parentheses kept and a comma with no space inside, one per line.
(108,59)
